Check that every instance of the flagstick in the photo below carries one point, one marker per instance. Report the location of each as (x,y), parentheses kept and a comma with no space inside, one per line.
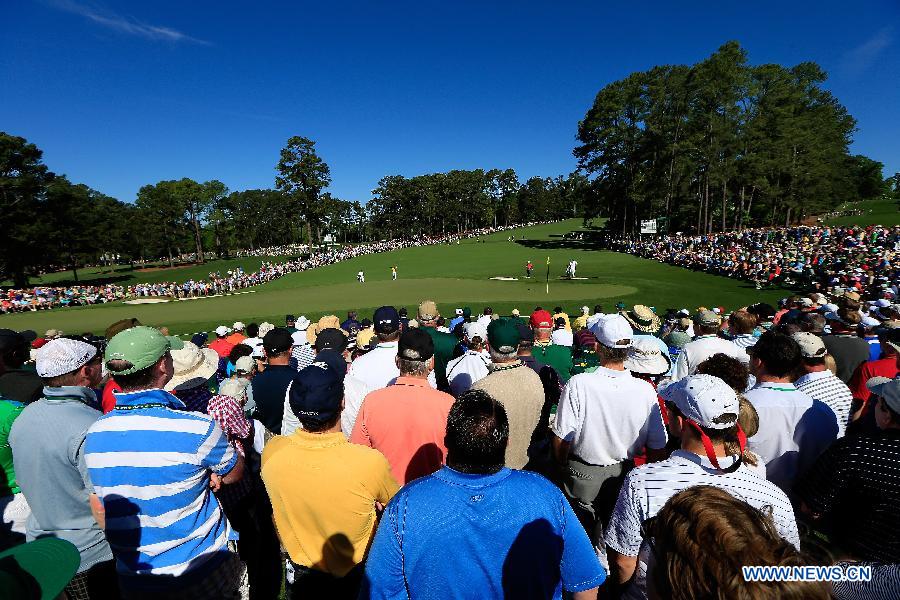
(548,274)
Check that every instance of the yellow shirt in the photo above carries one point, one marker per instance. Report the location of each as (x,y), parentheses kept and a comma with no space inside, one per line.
(323,491)
(580,323)
(565,318)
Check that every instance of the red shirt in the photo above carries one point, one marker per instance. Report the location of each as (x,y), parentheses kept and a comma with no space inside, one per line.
(884,367)
(222,347)
(108,401)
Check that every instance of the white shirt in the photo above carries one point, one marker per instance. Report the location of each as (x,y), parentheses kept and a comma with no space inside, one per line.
(828,388)
(485,320)
(465,370)
(700,349)
(289,421)
(562,337)
(647,488)
(355,391)
(253,342)
(744,340)
(608,416)
(793,430)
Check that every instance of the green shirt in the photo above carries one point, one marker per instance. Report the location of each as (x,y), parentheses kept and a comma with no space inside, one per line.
(9,410)
(586,363)
(558,357)
(444,344)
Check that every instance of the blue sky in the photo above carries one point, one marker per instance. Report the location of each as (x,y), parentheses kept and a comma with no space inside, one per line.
(121,94)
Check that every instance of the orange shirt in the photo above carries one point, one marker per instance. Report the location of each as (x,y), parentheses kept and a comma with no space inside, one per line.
(235,338)
(222,347)
(407,422)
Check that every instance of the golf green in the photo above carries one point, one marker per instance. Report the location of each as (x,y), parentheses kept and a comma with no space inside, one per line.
(453,275)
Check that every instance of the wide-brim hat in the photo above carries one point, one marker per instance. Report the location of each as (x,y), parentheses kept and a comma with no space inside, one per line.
(193,366)
(642,318)
(645,356)
(326,322)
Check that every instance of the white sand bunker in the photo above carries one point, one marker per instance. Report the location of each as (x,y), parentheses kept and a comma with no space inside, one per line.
(149,300)
(505,278)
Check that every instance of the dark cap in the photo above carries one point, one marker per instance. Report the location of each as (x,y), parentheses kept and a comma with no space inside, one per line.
(12,339)
(290,319)
(278,340)
(526,334)
(317,391)
(386,320)
(415,344)
(503,335)
(331,339)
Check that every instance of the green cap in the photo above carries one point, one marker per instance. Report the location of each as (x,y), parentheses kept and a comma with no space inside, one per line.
(38,569)
(503,335)
(141,346)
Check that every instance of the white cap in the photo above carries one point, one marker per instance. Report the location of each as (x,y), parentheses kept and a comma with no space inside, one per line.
(475,329)
(299,338)
(458,312)
(703,399)
(830,307)
(811,345)
(869,322)
(238,326)
(236,387)
(244,364)
(62,355)
(222,331)
(882,303)
(613,331)
(301,324)
(585,310)
(807,302)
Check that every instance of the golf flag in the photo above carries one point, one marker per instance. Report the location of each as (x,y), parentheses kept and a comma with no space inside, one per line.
(548,274)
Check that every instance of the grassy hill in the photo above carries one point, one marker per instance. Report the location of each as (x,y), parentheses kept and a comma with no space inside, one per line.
(873,212)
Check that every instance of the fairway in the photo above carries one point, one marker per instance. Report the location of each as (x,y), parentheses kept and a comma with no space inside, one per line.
(453,275)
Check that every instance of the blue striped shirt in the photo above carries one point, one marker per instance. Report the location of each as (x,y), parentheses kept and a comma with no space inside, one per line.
(150,462)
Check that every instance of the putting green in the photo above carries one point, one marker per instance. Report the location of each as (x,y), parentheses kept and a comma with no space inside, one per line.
(453,275)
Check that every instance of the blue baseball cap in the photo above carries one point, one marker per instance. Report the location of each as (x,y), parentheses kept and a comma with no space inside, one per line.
(318,390)
(386,320)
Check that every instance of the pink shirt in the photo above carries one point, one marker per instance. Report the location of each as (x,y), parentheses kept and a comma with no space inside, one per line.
(406,422)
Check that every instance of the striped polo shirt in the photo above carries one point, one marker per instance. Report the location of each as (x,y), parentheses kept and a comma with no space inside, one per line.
(150,462)
(647,488)
(826,387)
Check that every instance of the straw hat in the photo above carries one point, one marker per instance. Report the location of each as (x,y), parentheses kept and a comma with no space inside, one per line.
(193,366)
(642,318)
(645,356)
(326,322)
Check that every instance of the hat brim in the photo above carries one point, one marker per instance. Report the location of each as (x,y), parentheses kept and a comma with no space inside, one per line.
(199,375)
(659,364)
(50,562)
(652,327)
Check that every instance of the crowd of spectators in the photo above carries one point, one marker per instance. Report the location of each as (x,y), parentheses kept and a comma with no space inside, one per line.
(820,257)
(619,454)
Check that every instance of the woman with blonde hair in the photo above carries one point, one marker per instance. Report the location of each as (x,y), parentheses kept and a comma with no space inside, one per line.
(701,539)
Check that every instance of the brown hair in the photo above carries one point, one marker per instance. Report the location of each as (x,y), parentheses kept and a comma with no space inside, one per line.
(742,321)
(728,369)
(703,536)
(748,419)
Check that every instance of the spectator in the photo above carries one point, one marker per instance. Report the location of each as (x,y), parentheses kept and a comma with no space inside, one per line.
(560,336)
(848,349)
(332,344)
(195,370)
(514,549)
(444,343)
(17,383)
(324,491)
(463,371)
(269,387)
(351,325)
(48,446)
(703,414)
(13,505)
(406,421)
(741,325)
(604,420)
(853,489)
(237,334)
(289,322)
(253,340)
(162,542)
(517,387)
(108,398)
(707,343)
(558,313)
(883,367)
(645,324)
(819,383)
(221,345)
(795,428)
(703,536)
(546,352)
(580,322)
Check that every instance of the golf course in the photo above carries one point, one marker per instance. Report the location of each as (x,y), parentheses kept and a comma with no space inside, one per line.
(453,275)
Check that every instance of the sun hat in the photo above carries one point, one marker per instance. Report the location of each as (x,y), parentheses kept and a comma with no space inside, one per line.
(193,367)
(41,568)
(645,356)
(302,323)
(475,329)
(236,387)
(428,311)
(62,355)
(703,400)
(811,345)
(613,331)
(364,337)
(264,328)
(707,318)
(52,334)
(515,312)
(503,335)
(222,331)
(244,365)
(585,310)
(317,391)
(642,318)
(141,346)
(326,322)
(238,326)
(299,338)
(541,319)
(869,322)
(415,344)
(887,389)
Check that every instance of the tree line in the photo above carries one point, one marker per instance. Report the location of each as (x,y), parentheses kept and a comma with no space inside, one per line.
(721,145)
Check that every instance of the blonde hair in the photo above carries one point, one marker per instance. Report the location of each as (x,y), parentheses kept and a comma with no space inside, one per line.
(703,536)
(748,419)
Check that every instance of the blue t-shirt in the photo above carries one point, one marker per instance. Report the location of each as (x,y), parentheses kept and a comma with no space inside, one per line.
(453,535)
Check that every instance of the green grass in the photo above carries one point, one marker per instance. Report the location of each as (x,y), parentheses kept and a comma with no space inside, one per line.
(125,275)
(875,212)
(452,275)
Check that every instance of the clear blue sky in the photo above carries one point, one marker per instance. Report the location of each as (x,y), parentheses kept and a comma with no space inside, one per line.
(121,94)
